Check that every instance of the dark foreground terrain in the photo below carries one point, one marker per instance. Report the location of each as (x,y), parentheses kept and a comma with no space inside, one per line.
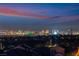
(52,45)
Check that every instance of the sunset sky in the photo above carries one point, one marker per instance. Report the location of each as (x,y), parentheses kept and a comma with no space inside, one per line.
(39,16)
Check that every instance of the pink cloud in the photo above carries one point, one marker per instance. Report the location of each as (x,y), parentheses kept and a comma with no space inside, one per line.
(13,12)
(26,13)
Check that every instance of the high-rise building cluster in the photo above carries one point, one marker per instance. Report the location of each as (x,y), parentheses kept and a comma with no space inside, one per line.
(41,32)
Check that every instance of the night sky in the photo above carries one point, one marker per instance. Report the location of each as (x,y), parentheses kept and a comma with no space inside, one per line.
(39,16)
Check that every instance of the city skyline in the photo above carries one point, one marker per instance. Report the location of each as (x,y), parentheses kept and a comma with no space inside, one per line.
(39,16)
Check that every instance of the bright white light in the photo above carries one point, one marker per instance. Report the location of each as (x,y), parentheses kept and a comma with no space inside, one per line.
(55,33)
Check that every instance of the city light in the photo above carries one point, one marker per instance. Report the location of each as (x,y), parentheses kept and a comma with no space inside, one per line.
(55,33)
